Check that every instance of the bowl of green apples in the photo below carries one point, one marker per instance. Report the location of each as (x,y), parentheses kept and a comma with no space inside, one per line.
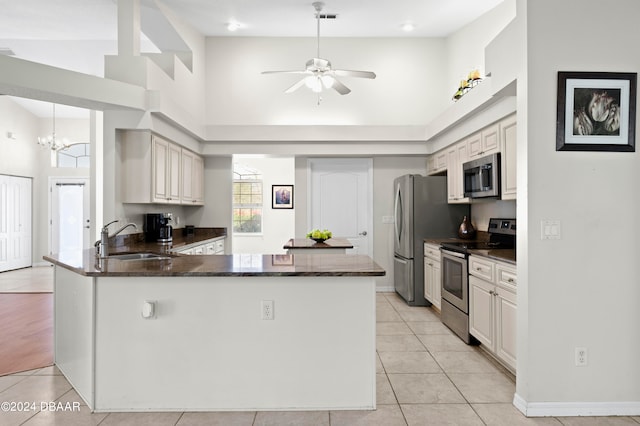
(319,236)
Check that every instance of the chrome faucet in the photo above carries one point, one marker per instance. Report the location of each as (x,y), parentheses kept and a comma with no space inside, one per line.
(102,245)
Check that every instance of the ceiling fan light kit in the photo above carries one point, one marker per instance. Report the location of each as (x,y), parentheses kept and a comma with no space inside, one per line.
(318,71)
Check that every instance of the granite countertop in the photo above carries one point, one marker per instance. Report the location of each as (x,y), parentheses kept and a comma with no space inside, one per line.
(136,242)
(241,265)
(307,243)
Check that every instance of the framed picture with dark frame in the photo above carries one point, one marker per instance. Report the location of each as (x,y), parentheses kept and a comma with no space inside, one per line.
(282,196)
(596,111)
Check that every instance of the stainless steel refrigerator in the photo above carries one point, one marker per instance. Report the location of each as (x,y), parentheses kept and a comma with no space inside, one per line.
(421,211)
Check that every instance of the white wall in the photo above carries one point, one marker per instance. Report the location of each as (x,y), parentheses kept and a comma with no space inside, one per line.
(278,225)
(465,48)
(408,88)
(581,290)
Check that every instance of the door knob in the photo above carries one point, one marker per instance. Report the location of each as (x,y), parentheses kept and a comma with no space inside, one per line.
(363,233)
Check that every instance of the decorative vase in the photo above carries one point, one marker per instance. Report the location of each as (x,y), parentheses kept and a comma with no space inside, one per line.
(466,230)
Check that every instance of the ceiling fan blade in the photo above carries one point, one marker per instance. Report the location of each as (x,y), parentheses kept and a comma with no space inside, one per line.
(340,88)
(354,73)
(287,72)
(296,86)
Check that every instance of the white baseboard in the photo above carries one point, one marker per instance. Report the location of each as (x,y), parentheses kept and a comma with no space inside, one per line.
(573,409)
(387,289)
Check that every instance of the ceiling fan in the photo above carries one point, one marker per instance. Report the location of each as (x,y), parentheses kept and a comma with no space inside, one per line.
(318,71)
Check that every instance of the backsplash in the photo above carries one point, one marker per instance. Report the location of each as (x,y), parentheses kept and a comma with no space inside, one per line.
(483,211)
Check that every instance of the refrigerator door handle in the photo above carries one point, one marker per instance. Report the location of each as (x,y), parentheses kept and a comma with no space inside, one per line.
(398,213)
(404,262)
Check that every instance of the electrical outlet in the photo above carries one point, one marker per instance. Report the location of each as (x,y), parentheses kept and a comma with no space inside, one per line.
(581,357)
(267,309)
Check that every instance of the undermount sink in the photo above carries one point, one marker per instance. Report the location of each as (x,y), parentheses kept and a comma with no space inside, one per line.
(139,256)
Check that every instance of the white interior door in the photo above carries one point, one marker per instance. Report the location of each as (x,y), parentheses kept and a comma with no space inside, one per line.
(341,200)
(70,216)
(15,222)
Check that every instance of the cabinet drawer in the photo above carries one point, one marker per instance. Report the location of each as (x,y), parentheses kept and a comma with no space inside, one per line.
(432,251)
(506,276)
(219,247)
(482,268)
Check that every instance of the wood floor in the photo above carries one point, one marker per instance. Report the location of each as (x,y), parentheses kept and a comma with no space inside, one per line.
(26,331)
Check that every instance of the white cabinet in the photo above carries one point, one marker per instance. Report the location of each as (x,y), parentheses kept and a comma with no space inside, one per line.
(484,142)
(432,274)
(457,155)
(437,162)
(192,178)
(155,170)
(212,246)
(165,171)
(493,307)
(508,139)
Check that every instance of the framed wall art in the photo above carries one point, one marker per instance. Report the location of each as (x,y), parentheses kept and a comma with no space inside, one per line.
(596,111)
(282,196)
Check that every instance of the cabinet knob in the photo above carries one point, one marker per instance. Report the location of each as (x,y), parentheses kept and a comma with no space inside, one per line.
(478,268)
(510,280)
(491,292)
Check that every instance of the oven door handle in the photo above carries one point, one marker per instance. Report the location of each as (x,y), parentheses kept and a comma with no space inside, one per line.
(453,253)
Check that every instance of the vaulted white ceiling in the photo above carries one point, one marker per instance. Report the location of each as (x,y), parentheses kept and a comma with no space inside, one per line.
(76,34)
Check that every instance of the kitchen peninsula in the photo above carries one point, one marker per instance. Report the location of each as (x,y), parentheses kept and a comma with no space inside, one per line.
(225,332)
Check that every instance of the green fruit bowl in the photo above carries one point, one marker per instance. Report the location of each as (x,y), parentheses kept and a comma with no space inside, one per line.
(319,236)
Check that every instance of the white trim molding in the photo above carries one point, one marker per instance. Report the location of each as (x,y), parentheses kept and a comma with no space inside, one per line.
(572,409)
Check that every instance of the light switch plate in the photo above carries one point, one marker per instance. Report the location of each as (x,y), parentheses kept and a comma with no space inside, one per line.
(550,230)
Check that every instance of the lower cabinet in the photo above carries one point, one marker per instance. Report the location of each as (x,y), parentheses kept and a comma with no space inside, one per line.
(432,274)
(493,309)
(214,246)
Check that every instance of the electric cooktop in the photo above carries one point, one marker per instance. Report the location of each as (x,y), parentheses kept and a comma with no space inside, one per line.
(502,235)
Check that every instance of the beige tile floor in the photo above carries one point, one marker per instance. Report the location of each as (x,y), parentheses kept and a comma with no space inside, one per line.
(38,279)
(426,376)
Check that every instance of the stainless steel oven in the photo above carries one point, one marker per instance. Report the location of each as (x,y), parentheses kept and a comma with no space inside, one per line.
(455,294)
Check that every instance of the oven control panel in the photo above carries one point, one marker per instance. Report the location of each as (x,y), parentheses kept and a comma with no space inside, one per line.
(502,226)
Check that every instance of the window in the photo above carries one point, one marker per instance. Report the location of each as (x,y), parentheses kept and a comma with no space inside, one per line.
(247,200)
(74,156)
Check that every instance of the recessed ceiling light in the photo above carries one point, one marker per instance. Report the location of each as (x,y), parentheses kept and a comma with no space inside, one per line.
(408,27)
(233,26)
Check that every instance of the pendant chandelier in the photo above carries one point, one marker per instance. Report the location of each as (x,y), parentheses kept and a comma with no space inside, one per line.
(52,141)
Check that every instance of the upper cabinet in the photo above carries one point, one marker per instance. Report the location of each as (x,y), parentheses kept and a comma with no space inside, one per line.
(192,178)
(484,142)
(508,138)
(497,137)
(155,170)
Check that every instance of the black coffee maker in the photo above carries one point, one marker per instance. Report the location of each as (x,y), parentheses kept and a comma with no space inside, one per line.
(157,228)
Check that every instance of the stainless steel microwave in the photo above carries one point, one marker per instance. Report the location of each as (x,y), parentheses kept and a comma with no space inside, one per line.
(482,177)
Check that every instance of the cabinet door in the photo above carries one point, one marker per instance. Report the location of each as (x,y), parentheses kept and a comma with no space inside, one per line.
(175,174)
(428,279)
(452,174)
(474,143)
(198,180)
(187,176)
(159,171)
(490,139)
(165,171)
(437,285)
(506,324)
(508,139)
(481,311)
